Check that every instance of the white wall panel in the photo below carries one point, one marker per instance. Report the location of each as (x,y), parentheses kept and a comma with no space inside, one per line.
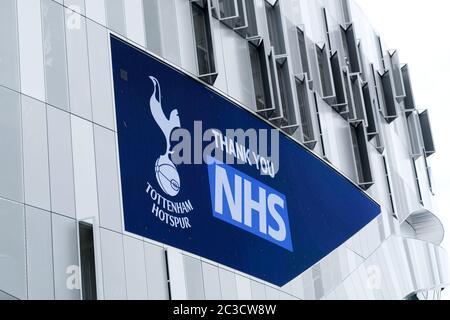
(211,282)
(155,265)
(186,36)
(114,279)
(65,257)
(35,153)
(12,249)
(84,168)
(194,278)
(31,51)
(95,10)
(39,254)
(228,284)
(134,17)
(135,269)
(100,71)
(176,274)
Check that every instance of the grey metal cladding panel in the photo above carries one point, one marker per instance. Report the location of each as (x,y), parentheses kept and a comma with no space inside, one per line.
(61,165)
(155,263)
(12,249)
(11,167)
(55,57)
(9,50)
(194,278)
(78,65)
(258,291)
(35,153)
(211,282)
(76,5)
(65,254)
(39,254)
(152,26)
(115,16)
(114,280)
(107,179)
(136,275)
(228,285)
(99,65)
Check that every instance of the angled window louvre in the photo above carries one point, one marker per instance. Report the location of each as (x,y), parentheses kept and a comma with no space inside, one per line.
(306,119)
(340,103)
(233,13)
(358,99)
(415,136)
(276,113)
(397,75)
(324,72)
(201,16)
(351,53)
(372,125)
(275,25)
(302,45)
(409,101)
(387,99)
(248,30)
(351,114)
(289,120)
(361,61)
(226,9)
(389,184)
(427,134)
(261,77)
(362,159)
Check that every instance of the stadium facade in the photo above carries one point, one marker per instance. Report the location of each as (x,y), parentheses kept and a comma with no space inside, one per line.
(76,224)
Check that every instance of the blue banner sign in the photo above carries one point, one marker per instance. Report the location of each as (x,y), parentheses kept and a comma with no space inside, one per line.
(271,221)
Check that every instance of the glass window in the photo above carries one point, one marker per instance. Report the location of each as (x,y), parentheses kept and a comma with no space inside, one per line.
(87,260)
(260,75)
(362,159)
(275,25)
(204,40)
(305,113)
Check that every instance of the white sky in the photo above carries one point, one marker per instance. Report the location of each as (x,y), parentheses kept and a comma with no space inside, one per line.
(420,30)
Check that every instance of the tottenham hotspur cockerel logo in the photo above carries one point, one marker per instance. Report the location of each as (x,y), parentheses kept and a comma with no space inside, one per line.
(165,171)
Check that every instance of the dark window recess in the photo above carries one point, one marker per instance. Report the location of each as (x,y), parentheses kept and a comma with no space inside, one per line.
(418,189)
(226,9)
(372,128)
(427,134)
(309,139)
(319,123)
(389,185)
(351,54)
(289,122)
(409,101)
(251,29)
(388,105)
(87,257)
(324,70)
(340,103)
(302,45)
(261,77)
(275,25)
(169,289)
(358,99)
(397,76)
(201,15)
(275,113)
(233,13)
(362,158)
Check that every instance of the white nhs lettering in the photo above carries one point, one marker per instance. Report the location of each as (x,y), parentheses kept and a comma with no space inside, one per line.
(241,198)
